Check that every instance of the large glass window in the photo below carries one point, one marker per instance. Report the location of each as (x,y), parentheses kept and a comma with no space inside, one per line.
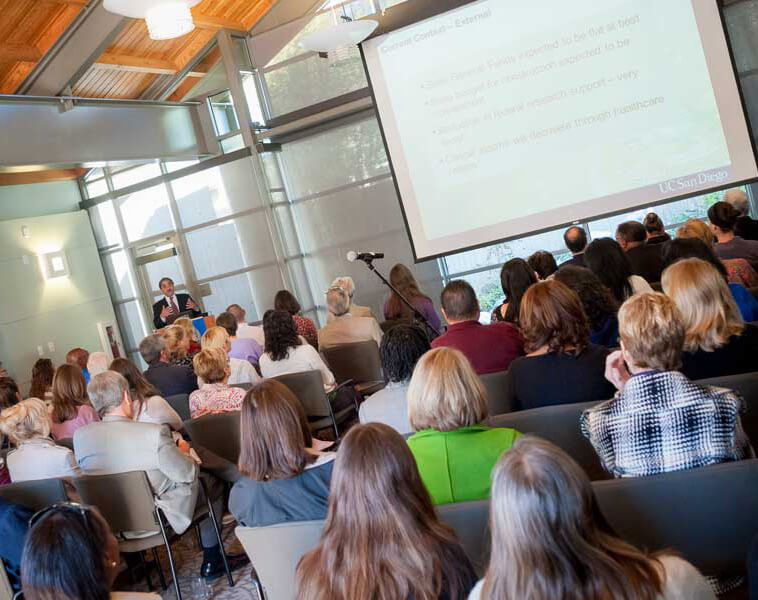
(105,224)
(146,213)
(224,117)
(116,267)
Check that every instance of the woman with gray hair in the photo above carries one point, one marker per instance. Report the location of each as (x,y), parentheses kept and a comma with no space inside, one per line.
(550,540)
(346,283)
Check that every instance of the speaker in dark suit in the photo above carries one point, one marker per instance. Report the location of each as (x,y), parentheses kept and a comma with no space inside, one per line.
(168,308)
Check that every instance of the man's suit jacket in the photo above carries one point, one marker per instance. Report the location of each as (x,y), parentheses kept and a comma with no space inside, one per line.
(181,302)
(574,261)
(747,228)
(348,329)
(171,379)
(646,261)
(118,445)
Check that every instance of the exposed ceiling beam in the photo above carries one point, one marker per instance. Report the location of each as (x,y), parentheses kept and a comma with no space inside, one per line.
(40,176)
(139,64)
(216,23)
(19,53)
(71,2)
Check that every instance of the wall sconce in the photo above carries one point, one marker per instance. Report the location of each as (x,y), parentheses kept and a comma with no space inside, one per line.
(54,264)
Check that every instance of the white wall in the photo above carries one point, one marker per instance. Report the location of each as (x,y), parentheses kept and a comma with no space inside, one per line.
(35,312)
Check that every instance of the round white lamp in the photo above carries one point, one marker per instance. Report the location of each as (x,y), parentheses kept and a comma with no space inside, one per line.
(165,19)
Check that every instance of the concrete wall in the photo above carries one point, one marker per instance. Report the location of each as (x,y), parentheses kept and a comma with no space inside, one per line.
(35,312)
(37,199)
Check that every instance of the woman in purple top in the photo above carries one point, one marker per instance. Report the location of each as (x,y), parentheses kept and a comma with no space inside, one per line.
(394,308)
(243,348)
(70,408)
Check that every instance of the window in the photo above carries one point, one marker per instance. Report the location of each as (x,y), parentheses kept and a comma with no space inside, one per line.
(116,267)
(132,323)
(146,213)
(96,187)
(133,175)
(105,225)
(224,117)
(165,267)
(233,143)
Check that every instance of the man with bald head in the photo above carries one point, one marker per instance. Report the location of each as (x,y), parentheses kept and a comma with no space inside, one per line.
(746,228)
(244,330)
(575,239)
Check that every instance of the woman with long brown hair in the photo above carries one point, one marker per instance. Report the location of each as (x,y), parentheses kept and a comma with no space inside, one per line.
(556,334)
(42,380)
(148,406)
(284,477)
(70,408)
(550,540)
(394,308)
(382,539)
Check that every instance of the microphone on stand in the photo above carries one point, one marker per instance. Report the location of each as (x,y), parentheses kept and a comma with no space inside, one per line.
(367,257)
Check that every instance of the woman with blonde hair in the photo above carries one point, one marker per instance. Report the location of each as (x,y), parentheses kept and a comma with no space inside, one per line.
(446,406)
(215,394)
(70,408)
(394,308)
(241,371)
(717,341)
(190,331)
(738,270)
(36,456)
(382,539)
(550,540)
(177,345)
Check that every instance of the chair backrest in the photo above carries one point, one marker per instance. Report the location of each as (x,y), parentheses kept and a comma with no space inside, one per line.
(558,424)
(747,386)
(308,387)
(708,514)
(35,495)
(219,433)
(275,551)
(358,361)
(499,392)
(180,403)
(470,521)
(125,499)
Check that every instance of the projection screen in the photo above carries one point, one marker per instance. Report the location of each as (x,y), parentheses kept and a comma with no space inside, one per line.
(508,118)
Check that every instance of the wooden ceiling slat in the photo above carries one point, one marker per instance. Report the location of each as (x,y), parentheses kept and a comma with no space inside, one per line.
(40,176)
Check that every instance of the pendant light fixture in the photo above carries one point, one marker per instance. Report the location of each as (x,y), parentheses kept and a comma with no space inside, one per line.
(165,19)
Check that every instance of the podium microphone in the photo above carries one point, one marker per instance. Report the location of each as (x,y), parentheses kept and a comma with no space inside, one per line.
(367,257)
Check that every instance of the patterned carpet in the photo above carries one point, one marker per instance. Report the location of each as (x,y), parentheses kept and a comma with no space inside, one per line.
(188,558)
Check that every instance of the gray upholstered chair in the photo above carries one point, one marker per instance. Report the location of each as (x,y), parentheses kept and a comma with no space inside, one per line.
(219,433)
(470,521)
(358,362)
(275,551)
(36,494)
(499,392)
(558,424)
(747,386)
(180,403)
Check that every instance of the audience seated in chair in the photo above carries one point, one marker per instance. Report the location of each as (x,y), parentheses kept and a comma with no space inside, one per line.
(245,348)
(575,239)
(9,393)
(746,228)
(382,538)
(543,264)
(394,308)
(561,365)
(489,348)
(516,276)
(244,329)
(446,405)
(215,394)
(694,248)
(14,523)
(599,304)
(97,363)
(70,408)
(119,444)
(660,421)
(36,456)
(147,404)
(284,300)
(723,218)
(43,373)
(190,332)
(178,345)
(347,284)
(168,379)
(285,353)
(241,371)
(79,357)
(400,350)
(346,328)
(716,341)
(284,478)
(70,552)
(645,259)
(550,540)
(656,232)
(605,258)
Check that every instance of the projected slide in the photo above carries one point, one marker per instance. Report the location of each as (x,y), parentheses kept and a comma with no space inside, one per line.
(502,119)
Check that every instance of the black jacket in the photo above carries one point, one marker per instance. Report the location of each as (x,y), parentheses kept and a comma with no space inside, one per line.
(746,228)
(646,261)
(171,379)
(181,301)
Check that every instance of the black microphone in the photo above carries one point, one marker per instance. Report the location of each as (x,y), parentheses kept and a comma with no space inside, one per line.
(364,256)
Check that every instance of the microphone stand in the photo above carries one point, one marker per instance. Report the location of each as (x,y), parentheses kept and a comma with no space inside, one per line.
(417,316)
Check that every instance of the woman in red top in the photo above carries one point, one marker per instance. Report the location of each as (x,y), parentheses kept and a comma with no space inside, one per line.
(285,301)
